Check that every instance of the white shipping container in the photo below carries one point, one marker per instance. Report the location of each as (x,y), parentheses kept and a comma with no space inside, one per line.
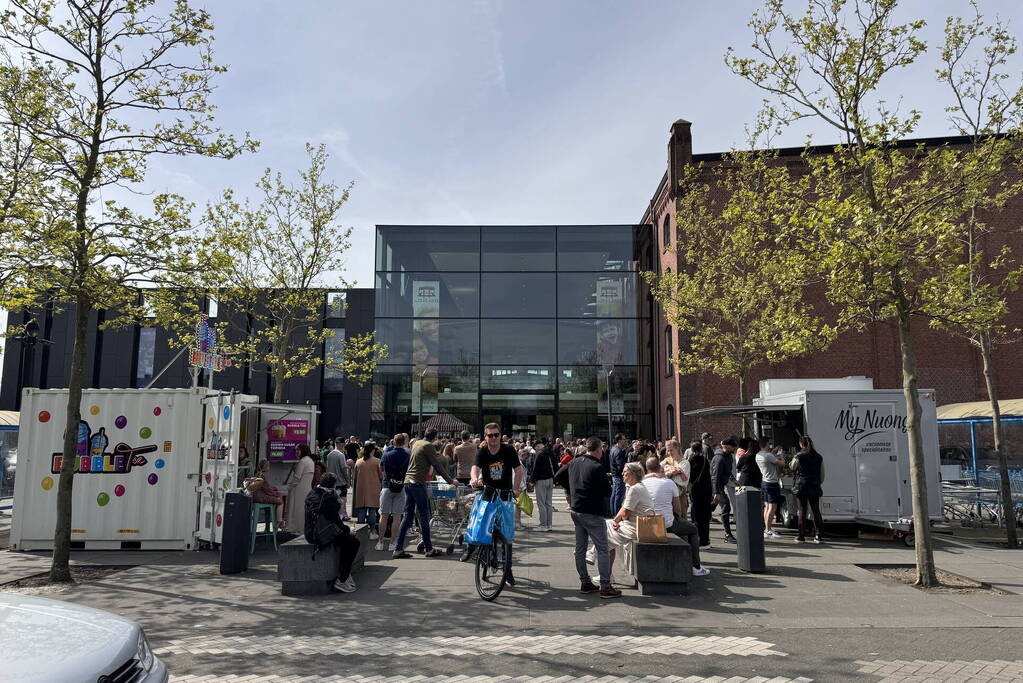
(140,457)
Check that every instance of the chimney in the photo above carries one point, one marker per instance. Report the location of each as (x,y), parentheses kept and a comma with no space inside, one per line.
(680,153)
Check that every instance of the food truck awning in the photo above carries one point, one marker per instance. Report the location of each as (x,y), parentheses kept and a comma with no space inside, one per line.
(9,419)
(741,410)
(980,410)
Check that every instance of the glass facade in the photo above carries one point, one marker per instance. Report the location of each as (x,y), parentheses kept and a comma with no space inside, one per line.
(526,326)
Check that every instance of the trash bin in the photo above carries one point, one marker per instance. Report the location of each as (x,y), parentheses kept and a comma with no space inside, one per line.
(234,539)
(749,530)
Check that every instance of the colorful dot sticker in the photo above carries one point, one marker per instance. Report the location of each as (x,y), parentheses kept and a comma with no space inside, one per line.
(47,483)
(226,483)
(227,412)
(220,520)
(102,499)
(157,411)
(153,479)
(209,477)
(44,415)
(119,490)
(121,422)
(94,410)
(159,463)
(145,432)
(211,423)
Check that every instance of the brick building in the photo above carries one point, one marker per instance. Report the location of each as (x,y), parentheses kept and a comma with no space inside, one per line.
(946,363)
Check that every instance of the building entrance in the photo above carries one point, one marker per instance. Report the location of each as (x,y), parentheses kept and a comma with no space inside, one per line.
(521,415)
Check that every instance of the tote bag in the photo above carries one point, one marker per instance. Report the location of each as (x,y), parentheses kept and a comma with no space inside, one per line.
(479,529)
(650,529)
(506,518)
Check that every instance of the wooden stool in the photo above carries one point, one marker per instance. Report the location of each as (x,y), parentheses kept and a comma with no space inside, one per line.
(271,524)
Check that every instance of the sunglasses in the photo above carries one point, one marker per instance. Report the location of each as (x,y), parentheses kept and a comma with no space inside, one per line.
(494,436)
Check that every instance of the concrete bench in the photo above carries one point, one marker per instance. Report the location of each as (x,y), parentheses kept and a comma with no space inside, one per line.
(663,568)
(300,574)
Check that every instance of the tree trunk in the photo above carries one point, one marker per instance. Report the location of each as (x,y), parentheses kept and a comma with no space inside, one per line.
(925,572)
(744,400)
(1008,508)
(60,570)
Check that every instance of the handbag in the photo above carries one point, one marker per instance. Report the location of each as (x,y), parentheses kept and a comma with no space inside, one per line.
(525,503)
(650,529)
(506,518)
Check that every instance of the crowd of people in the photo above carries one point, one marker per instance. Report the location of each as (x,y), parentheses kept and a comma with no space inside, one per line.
(608,489)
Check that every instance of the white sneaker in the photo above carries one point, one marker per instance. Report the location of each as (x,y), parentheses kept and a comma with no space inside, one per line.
(705,547)
(347,586)
(393,546)
(596,580)
(773,534)
(700,571)
(373,536)
(591,556)
(379,545)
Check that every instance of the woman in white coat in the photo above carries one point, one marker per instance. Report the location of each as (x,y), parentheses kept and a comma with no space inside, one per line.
(300,483)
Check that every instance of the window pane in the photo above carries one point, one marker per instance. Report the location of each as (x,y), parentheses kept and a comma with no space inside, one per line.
(147,354)
(430,248)
(498,404)
(517,342)
(595,342)
(518,295)
(517,377)
(333,347)
(428,341)
(583,388)
(590,247)
(518,248)
(336,304)
(603,295)
(428,295)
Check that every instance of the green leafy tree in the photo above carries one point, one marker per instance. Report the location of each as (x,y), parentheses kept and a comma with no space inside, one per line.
(738,299)
(119,81)
(973,302)
(285,254)
(884,222)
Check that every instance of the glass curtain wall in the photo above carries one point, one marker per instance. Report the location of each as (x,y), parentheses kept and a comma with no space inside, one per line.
(520,325)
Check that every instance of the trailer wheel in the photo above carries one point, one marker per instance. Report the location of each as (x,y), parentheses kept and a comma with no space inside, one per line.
(909,539)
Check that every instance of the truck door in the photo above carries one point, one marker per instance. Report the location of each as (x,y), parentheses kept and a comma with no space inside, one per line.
(875,446)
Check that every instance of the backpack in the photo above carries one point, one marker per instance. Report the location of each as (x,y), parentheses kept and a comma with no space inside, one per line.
(312,511)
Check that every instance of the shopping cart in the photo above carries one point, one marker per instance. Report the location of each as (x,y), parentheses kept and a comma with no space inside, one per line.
(449,512)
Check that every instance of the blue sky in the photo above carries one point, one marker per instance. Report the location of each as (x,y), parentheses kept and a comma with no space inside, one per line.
(491,112)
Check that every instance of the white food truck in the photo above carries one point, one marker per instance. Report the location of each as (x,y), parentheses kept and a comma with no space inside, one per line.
(152,465)
(861,432)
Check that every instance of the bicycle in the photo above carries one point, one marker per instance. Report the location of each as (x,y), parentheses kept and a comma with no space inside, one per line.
(493,561)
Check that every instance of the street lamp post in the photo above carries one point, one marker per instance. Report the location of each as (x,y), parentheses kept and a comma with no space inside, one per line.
(421,376)
(609,369)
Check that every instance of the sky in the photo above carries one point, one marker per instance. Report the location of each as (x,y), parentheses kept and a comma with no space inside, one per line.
(491,111)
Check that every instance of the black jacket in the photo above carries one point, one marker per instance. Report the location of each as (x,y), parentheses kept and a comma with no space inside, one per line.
(700,486)
(721,471)
(749,470)
(544,466)
(590,489)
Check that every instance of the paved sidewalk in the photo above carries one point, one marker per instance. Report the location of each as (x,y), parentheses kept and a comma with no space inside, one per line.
(815,615)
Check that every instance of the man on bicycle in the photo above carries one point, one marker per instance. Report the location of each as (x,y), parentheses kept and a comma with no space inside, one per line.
(497,465)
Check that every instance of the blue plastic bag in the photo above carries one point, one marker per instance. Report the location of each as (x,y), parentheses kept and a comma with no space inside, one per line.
(479,529)
(506,519)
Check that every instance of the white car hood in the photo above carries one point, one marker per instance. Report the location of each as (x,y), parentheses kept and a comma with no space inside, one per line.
(51,640)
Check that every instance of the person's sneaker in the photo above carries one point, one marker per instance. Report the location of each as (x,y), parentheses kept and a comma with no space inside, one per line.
(730,538)
(817,540)
(467,553)
(596,579)
(347,586)
(510,578)
(700,571)
(393,546)
(591,556)
(608,592)
(373,536)
(705,547)
(589,587)
(379,545)
(800,540)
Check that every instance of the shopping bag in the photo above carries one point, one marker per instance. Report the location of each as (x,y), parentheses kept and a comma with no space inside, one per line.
(525,503)
(506,519)
(650,529)
(480,527)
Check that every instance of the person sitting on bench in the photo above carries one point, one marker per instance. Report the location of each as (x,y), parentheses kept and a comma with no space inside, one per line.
(324,527)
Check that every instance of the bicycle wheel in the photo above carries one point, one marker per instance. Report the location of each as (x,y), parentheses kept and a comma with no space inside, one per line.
(492,564)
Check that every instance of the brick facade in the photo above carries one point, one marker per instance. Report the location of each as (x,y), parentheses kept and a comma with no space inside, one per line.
(947,364)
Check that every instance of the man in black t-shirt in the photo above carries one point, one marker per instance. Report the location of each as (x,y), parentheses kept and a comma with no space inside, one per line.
(497,465)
